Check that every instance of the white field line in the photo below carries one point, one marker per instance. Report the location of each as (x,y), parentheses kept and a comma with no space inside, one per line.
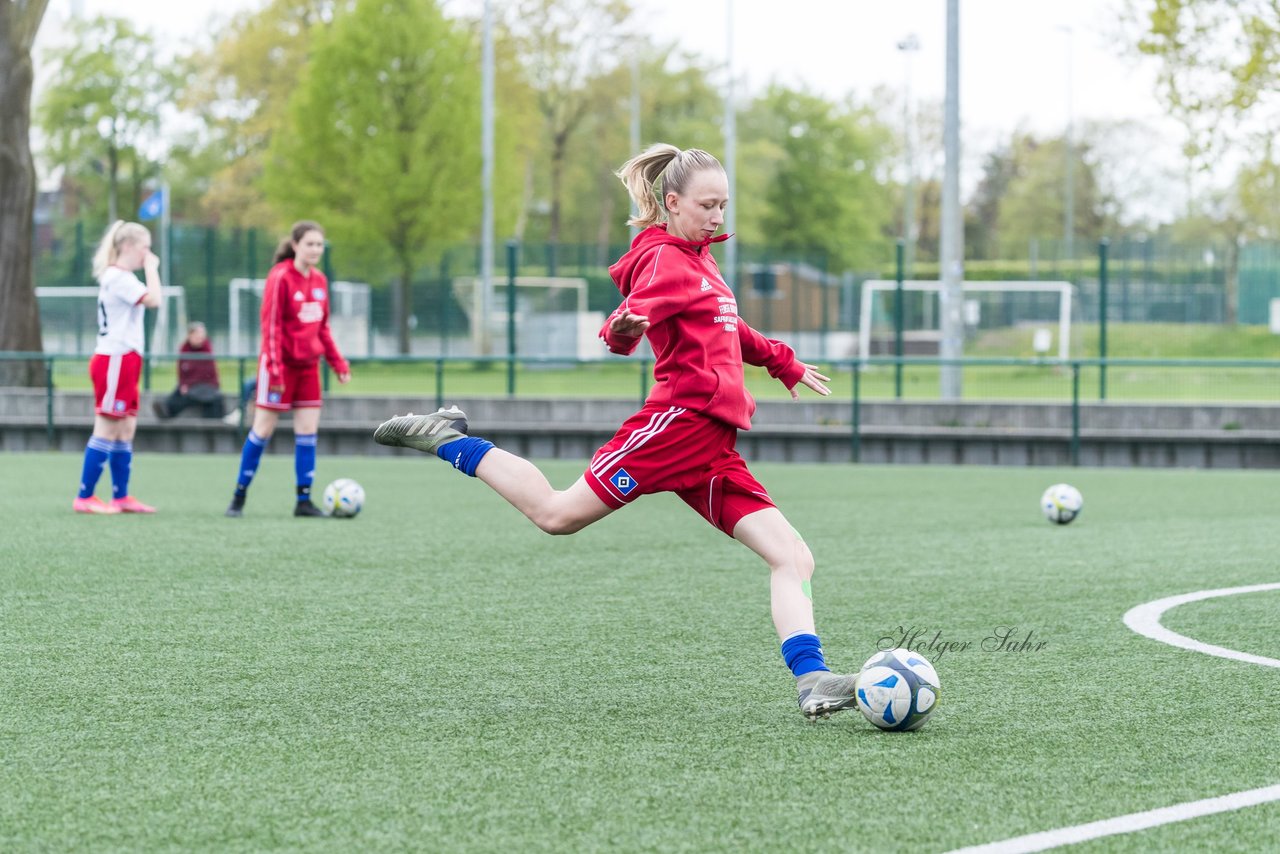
(1145,620)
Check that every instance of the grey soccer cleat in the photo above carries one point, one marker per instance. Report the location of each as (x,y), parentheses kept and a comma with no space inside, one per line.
(822,693)
(423,432)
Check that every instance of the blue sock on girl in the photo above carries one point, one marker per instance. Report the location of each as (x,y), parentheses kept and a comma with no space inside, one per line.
(465,454)
(803,654)
(96,453)
(304,463)
(249,459)
(121,461)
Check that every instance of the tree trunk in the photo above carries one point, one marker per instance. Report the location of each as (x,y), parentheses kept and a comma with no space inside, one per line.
(19,312)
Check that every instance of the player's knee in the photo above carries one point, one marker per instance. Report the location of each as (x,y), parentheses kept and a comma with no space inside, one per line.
(558,520)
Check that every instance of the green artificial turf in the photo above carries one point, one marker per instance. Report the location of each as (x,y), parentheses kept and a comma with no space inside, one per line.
(437,675)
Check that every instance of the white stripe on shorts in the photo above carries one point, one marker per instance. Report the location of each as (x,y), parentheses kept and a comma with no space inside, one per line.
(658,422)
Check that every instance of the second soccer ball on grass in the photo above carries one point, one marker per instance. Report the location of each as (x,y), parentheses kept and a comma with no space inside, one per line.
(1061,503)
(343,498)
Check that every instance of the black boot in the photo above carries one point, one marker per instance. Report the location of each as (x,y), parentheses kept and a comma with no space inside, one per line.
(306,508)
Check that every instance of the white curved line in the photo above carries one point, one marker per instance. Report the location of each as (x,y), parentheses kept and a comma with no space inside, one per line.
(1145,620)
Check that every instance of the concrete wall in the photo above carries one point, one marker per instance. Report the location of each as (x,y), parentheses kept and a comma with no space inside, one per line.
(983,433)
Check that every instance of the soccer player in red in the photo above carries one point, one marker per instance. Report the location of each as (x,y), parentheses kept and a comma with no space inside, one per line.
(683,439)
(295,334)
(117,363)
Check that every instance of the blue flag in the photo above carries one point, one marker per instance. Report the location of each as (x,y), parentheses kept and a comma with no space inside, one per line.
(152,207)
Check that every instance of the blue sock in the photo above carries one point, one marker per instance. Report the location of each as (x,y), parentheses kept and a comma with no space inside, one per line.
(465,454)
(96,452)
(121,461)
(803,654)
(249,457)
(304,462)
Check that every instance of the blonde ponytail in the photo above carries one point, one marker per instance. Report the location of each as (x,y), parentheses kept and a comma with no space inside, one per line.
(640,175)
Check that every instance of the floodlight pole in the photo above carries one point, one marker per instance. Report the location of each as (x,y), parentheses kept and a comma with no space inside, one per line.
(730,152)
(1069,170)
(908,46)
(486,184)
(952,254)
(635,124)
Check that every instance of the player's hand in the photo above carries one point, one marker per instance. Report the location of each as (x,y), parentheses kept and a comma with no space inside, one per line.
(152,261)
(184,389)
(344,377)
(628,324)
(813,380)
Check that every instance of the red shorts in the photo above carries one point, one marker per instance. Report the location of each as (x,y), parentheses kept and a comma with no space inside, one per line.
(301,389)
(669,449)
(115,384)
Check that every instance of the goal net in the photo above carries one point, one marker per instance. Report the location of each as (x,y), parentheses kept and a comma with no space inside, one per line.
(551,317)
(348,316)
(69,320)
(1016,318)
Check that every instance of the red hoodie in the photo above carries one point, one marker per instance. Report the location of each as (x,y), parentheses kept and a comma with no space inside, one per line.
(699,342)
(295,321)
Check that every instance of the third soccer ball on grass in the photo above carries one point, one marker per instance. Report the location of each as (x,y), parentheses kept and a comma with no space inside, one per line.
(343,498)
(1061,503)
(898,689)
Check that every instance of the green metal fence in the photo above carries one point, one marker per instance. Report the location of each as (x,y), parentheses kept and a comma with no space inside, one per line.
(854,382)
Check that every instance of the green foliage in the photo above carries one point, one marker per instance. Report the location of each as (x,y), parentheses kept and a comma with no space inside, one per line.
(826,191)
(380,142)
(101,112)
(238,88)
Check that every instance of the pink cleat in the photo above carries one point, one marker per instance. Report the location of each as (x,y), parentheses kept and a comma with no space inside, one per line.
(94,504)
(129,504)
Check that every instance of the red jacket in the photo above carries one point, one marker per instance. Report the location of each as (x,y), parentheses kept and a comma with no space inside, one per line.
(193,372)
(295,322)
(698,340)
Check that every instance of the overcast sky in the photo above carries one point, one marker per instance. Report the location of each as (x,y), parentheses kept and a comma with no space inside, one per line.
(1025,64)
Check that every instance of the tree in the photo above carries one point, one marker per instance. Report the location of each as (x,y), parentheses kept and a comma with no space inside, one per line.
(828,191)
(19,313)
(565,43)
(381,143)
(102,107)
(239,89)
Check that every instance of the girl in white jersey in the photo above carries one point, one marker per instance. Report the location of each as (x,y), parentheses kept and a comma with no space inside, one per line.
(117,363)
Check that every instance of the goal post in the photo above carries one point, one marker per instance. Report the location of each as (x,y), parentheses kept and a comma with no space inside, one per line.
(872,287)
(551,316)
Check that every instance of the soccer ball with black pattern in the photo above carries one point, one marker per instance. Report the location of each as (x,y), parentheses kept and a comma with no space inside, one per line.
(343,498)
(898,690)
(1061,503)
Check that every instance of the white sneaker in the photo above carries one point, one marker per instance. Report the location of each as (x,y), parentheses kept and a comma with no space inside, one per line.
(232,418)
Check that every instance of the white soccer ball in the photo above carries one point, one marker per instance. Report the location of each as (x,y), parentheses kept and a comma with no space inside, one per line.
(1061,503)
(898,689)
(343,498)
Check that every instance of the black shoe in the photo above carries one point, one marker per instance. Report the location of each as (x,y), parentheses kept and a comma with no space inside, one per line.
(236,509)
(306,508)
(161,411)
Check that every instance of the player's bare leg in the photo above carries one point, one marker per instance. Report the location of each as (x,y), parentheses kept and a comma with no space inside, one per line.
(527,489)
(768,533)
(516,479)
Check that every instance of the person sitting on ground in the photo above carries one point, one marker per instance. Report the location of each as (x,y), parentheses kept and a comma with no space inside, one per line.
(197,379)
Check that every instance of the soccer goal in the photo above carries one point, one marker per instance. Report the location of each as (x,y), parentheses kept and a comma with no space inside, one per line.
(69,320)
(1030,306)
(348,316)
(551,317)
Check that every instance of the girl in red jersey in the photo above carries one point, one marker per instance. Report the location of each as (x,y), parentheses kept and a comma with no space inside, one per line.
(683,439)
(295,334)
(117,362)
